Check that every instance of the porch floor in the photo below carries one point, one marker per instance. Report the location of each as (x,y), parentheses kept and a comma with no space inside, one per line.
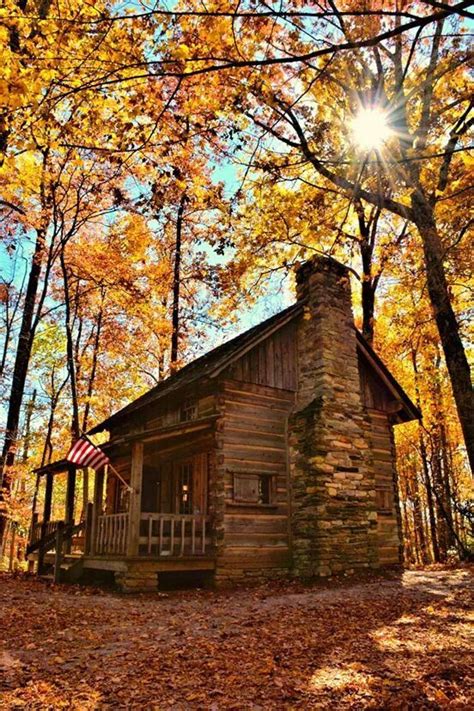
(153,564)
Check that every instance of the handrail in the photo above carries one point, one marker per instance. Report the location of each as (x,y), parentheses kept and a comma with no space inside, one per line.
(64,532)
(112,534)
(43,533)
(174,535)
(59,533)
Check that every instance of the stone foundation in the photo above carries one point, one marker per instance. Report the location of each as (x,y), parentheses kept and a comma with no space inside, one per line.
(230,577)
(334,519)
(138,577)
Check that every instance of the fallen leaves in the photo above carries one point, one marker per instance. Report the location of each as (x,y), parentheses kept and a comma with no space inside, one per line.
(389,644)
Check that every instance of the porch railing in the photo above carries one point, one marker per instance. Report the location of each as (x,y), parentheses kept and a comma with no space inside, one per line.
(40,530)
(112,534)
(167,535)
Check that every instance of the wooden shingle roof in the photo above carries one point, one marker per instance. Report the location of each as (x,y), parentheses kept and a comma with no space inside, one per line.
(207,366)
(211,364)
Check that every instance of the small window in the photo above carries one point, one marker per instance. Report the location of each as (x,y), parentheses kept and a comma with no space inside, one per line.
(188,410)
(185,488)
(253,488)
(384,501)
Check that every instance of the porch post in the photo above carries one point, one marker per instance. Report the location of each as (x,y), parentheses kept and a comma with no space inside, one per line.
(48,500)
(97,510)
(70,492)
(134,510)
(69,511)
(35,495)
(48,497)
(34,515)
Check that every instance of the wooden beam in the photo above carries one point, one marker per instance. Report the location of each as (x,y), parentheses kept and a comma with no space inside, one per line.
(157,433)
(70,492)
(48,500)
(48,497)
(88,529)
(69,510)
(134,511)
(97,510)
(34,514)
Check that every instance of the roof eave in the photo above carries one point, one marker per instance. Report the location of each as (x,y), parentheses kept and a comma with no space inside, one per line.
(132,408)
(409,409)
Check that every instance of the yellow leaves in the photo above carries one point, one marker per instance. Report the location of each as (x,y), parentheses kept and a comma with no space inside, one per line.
(4,92)
(12,93)
(4,36)
(182,51)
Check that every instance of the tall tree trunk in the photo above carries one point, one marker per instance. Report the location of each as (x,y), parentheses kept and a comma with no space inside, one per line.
(22,359)
(368,235)
(408,546)
(429,499)
(70,360)
(177,286)
(48,446)
(90,390)
(368,310)
(418,522)
(446,322)
(425,466)
(55,395)
(95,356)
(27,437)
(447,497)
(10,318)
(438,491)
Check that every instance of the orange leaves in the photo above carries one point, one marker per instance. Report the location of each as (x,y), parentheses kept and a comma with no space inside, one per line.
(378,644)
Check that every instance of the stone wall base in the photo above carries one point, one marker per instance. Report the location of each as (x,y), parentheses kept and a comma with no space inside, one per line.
(139,577)
(231,577)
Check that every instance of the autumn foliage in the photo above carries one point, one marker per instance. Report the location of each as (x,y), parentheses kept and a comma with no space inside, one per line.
(163,170)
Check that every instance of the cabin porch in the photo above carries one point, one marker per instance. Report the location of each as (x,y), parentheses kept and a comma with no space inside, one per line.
(151,518)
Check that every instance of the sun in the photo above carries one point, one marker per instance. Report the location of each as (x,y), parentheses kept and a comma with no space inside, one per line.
(370,128)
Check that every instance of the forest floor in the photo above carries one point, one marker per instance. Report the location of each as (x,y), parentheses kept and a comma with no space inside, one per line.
(398,642)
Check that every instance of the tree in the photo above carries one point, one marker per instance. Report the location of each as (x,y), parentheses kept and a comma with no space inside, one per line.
(420,81)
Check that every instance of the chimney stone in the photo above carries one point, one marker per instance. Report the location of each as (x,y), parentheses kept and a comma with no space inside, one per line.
(333,485)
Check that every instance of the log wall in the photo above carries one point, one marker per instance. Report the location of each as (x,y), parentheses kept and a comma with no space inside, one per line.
(386,491)
(252,439)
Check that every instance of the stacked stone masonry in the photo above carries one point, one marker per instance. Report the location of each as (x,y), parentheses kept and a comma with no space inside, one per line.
(334,518)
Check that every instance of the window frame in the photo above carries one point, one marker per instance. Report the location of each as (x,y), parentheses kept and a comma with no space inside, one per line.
(268,478)
(385,501)
(188,410)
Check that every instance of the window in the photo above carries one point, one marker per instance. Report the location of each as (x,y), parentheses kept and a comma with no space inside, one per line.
(253,488)
(185,488)
(384,501)
(122,497)
(188,410)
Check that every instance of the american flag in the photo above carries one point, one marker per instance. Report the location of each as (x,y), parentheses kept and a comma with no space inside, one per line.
(87,454)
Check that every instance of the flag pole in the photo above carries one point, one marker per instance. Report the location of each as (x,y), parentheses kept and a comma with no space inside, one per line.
(110,465)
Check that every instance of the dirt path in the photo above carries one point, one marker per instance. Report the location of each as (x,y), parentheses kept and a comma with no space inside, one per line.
(399,643)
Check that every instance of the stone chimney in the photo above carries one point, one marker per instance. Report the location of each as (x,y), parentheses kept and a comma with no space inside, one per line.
(333,492)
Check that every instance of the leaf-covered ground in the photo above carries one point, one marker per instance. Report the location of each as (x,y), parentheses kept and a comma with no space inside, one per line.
(397,643)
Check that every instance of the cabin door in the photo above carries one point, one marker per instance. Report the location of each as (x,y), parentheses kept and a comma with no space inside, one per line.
(166,488)
(179,486)
(176,487)
(175,491)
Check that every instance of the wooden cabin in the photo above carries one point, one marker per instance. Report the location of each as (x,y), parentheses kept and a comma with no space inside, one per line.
(272,455)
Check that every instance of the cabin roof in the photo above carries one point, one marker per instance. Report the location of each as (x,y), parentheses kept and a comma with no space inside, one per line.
(410,410)
(206,366)
(215,361)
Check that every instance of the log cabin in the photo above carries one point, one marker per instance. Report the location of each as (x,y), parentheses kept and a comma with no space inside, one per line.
(270,456)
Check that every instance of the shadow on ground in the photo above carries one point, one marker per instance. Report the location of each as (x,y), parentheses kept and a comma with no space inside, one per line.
(402,642)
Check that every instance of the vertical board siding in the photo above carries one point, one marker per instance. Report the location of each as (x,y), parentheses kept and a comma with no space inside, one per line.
(385,487)
(272,362)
